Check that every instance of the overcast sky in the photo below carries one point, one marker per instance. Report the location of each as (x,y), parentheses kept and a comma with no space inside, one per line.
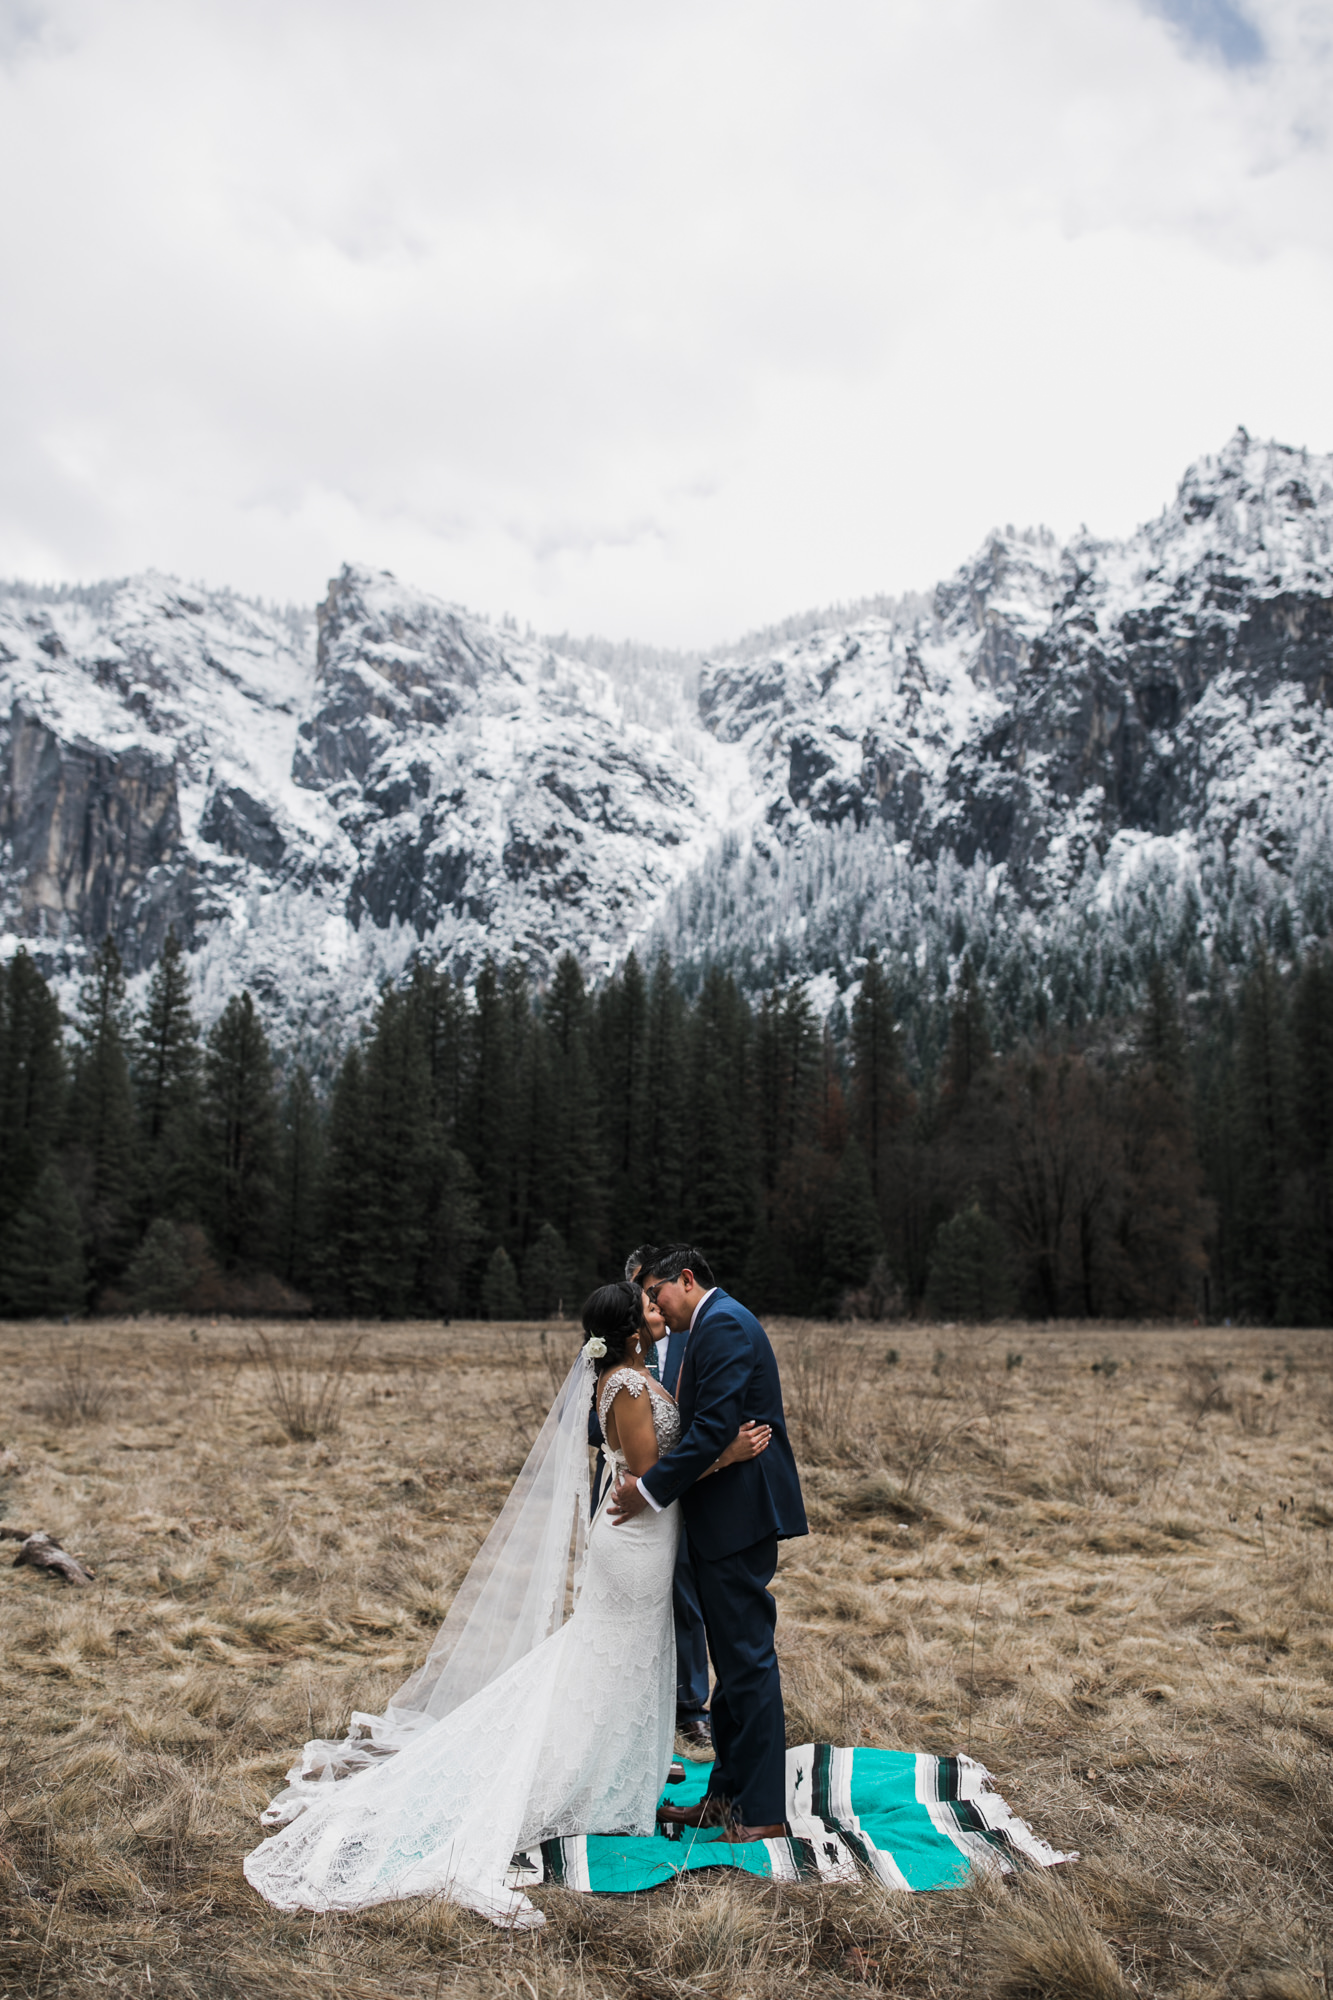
(657,320)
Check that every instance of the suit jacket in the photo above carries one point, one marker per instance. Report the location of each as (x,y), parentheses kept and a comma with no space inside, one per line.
(729,1376)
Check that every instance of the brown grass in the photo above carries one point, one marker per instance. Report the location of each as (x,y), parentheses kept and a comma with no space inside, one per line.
(1114,1585)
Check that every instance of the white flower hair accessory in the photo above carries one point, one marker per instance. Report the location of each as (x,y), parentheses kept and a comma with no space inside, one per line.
(596,1347)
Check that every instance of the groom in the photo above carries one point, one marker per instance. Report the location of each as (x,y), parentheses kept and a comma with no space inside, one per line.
(735,1520)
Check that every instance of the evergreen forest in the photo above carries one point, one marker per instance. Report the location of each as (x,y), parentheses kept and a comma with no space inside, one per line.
(497,1149)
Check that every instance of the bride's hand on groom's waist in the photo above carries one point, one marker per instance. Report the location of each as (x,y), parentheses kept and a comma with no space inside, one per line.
(626,1501)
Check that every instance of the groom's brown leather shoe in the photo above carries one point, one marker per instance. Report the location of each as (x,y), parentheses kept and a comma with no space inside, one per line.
(738,1835)
(708,1812)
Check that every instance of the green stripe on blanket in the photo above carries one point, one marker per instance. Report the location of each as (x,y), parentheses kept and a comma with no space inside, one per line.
(912,1821)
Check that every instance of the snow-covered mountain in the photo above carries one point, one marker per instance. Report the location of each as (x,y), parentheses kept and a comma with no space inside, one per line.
(1056,739)
(313,803)
(1069,749)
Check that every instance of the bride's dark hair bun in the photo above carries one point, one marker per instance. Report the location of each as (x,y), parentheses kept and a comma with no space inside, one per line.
(614,1314)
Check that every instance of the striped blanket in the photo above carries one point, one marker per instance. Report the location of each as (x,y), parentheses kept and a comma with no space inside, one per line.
(912,1821)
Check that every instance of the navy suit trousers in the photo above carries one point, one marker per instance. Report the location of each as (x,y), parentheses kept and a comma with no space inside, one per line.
(749,1729)
(691,1642)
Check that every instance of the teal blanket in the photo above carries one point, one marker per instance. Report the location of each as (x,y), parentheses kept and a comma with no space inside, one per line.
(912,1821)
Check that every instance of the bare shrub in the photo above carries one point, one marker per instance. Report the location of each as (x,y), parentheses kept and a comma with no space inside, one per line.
(917,1432)
(1093,1451)
(1203,1388)
(824,1376)
(304,1381)
(79,1393)
(1256,1410)
(537,1370)
(988,1392)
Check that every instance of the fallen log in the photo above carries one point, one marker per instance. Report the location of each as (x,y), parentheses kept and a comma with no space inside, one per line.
(42,1551)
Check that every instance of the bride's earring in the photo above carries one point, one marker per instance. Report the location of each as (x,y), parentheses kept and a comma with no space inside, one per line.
(637,1348)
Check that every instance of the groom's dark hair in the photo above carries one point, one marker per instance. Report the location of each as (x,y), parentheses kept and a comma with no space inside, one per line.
(668,1263)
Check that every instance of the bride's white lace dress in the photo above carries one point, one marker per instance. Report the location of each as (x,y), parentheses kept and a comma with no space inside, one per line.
(575,1737)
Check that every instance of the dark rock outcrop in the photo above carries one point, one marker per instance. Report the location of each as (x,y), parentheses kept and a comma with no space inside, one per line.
(94,840)
(243,827)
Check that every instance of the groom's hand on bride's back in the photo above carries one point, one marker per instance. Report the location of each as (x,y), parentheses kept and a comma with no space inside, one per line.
(626,1500)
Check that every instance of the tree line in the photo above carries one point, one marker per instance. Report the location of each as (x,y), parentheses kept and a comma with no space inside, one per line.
(498,1148)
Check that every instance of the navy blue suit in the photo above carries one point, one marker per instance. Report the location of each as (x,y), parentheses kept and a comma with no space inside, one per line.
(735,1520)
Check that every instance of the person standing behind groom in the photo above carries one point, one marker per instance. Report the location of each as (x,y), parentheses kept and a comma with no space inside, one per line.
(727,1375)
(691,1643)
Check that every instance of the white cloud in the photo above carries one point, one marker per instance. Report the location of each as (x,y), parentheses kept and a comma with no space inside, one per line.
(660,322)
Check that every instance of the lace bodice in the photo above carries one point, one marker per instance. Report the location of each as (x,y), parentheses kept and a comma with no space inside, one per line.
(666,1417)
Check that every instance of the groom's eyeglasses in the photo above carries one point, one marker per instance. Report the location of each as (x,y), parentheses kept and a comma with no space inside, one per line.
(651,1291)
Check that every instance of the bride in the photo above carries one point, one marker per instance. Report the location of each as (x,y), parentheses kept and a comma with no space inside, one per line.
(523,1723)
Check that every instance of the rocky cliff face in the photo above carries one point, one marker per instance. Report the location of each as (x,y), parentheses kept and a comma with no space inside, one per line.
(495,793)
(128,715)
(1054,708)
(310,807)
(1181,688)
(311,803)
(859,724)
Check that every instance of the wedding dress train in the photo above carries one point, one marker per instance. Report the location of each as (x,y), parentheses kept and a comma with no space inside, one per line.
(573,1737)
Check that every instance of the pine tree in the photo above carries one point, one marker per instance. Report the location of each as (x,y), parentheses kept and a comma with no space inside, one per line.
(300,1169)
(102,1119)
(450,1190)
(440,1005)
(238,1137)
(852,1239)
(968,1053)
(665,1085)
(42,1271)
(400,1148)
(346,1195)
(166,1077)
(1212,1089)
(547,1278)
(921,1172)
(1161,1035)
(499,1290)
(1152,1248)
(970,1269)
(521,1164)
(622,1069)
(790,1093)
(159,1274)
(571,1194)
(1310,1223)
(490,1136)
(536,1168)
(1264,1143)
(717,1113)
(166,1043)
(452,1233)
(879,1093)
(787,1072)
(32,1082)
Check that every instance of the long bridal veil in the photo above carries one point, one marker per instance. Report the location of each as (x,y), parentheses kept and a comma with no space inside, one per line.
(519,1589)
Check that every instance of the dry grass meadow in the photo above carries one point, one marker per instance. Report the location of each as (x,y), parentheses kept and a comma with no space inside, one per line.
(1112,1583)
